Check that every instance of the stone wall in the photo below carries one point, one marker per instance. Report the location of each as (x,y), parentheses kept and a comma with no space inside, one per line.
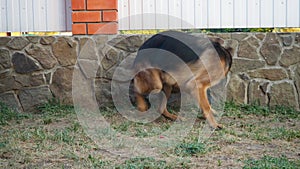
(266,69)
(33,70)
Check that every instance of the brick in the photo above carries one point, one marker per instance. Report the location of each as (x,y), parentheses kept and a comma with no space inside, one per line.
(89,16)
(102,4)
(79,29)
(103,28)
(109,16)
(78,5)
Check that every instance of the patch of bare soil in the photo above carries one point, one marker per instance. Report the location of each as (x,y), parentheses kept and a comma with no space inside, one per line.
(61,142)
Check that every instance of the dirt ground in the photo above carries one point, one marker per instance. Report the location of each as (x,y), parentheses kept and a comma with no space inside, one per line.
(252,137)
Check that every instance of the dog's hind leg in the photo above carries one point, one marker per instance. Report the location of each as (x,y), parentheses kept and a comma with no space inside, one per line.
(141,103)
(163,106)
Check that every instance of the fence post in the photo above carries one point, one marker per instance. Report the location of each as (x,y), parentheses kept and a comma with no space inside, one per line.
(94,17)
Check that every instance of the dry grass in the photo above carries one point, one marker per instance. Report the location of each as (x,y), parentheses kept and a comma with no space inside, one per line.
(253,137)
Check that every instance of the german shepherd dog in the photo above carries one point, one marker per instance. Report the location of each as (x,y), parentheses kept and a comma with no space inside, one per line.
(208,62)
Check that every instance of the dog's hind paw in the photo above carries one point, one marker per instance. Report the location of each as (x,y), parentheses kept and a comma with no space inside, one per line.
(217,126)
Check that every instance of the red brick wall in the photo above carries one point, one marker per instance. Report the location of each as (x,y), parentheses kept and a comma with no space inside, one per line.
(94,17)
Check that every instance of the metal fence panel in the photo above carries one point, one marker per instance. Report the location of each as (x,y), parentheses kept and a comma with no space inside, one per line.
(267,13)
(253,13)
(293,13)
(189,14)
(55,15)
(240,14)
(136,15)
(124,13)
(175,12)
(35,15)
(227,7)
(214,14)
(148,17)
(201,10)
(161,14)
(280,13)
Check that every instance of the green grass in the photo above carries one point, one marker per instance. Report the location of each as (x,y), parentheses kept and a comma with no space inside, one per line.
(263,116)
(268,162)
(239,110)
(8,114)
(54,138)
(284,133)
(138,163)
(97,162)
(191,149)
(55,108)
(267,134)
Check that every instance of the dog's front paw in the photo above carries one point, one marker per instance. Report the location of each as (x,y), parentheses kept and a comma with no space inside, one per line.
(216,126)
(213,124)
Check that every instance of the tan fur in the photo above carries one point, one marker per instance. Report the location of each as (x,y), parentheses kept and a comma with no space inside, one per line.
(207,71)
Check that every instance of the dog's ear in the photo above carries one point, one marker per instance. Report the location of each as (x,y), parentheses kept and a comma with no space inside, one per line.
(230,50)
(217,40)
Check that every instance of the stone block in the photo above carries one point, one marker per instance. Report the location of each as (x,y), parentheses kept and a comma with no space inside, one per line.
(33,39)
(283,93)
(260,36)
(127,43)
(29,80)
(297,39)
(124,70)
(23,64)
(242,65)
(4,40)
(239,36)
(236,89)
(110,59)
(248,47)
(287,40)
(100,40)
(87,49)
(64,49)
(48,40)
(11,100)
(61,86)
(88,67)
(257,93)
(31,98)
(272,74)
(5,59)
(43,55)
(290,57)
(7,82)
(18,43)
(103,92)
(5,73)
(271,49)
(296,77)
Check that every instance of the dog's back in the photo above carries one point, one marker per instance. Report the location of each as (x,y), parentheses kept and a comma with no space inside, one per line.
(178,43)
(184,46)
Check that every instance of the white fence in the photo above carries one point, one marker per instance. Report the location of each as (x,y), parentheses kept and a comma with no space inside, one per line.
(185,14)
(35,15)
(55,15)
